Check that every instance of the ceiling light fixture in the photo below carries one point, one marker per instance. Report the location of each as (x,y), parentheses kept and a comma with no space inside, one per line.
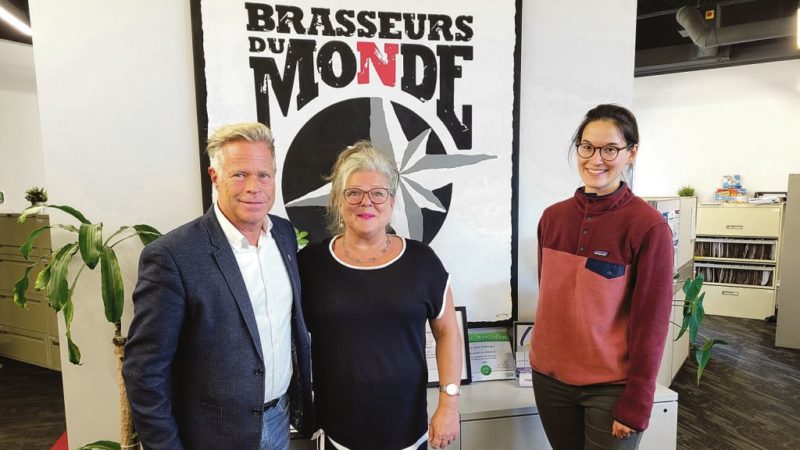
(14,21)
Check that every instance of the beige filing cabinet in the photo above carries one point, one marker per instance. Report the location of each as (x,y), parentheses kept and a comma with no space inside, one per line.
(499,415)
(787,333)
(737,250)
(680,213)
(30,334)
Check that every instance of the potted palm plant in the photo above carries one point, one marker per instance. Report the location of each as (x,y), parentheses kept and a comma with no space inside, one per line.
(93,250)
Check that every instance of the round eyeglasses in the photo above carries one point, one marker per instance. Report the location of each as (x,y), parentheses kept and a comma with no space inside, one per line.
(353,196)
(607,152)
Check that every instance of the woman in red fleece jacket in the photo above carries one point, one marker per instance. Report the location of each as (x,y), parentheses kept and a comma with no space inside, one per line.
(605,294)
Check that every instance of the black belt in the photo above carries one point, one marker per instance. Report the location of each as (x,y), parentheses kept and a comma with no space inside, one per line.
(271,404)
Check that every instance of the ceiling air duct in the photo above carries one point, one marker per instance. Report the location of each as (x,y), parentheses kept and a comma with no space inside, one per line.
(706,37)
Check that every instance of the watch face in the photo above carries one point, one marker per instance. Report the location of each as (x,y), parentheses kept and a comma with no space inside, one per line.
(451,389)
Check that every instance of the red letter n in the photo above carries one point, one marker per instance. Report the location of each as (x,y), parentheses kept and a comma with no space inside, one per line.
(384,63)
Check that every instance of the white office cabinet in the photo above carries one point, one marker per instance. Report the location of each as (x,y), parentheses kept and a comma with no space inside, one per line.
(29,334)
(737,251)
(680,213)
(499,415)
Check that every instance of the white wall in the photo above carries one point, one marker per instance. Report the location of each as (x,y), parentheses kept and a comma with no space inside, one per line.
(568,67)
(119,135)
(698,126)
(21,160)
(116,97)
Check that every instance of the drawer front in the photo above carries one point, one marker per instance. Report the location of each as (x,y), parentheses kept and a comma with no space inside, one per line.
(55,353)
(27,346)
(13,234)
(739,221)
(11,269)
(515,432)
(735,301)
(32,317)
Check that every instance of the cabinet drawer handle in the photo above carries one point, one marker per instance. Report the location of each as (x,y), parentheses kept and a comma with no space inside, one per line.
(730,293)
(734,227)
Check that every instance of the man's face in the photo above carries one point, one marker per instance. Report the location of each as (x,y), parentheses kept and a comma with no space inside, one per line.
(246,186)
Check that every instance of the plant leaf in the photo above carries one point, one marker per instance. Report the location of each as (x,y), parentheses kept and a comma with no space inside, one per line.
(692,287)
(57,288)
(30,210)
(43,278)
(25,250)
(74,352)
(146,233)
(113,290)
(684,325)
(20,287)
(71,211)
(102,445)
(702,355)
(90,241)
(72,348)
(699,309)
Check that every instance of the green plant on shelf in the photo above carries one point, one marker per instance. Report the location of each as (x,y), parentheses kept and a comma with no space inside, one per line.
(686,191)
(94,252)
(693,315)
(36,195)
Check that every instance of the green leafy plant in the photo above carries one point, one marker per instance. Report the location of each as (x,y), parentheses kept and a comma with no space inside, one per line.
(36,195)
(686,191)
(693,315)
(94,251)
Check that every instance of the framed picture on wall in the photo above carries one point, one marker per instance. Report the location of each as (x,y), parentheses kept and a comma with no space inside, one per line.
(433,85)
(430,350)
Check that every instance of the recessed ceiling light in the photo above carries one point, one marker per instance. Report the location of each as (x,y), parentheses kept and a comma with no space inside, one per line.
(15,22)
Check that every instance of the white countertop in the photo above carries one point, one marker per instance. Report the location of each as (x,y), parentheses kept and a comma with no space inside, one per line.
(491,399)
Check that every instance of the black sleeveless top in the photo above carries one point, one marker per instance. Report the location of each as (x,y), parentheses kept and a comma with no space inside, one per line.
(367,328)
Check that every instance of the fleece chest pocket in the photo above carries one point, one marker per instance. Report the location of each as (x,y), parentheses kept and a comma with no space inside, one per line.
(605,269)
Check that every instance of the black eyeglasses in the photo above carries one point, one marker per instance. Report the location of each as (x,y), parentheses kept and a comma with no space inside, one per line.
(353,196)
(607,152)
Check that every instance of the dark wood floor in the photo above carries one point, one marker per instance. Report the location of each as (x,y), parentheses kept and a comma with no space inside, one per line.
(749,396)
(31,406)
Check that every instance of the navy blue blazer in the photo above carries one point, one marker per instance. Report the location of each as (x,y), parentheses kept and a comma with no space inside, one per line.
(193,366)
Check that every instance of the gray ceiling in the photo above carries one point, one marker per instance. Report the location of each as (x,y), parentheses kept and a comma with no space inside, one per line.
(759,26)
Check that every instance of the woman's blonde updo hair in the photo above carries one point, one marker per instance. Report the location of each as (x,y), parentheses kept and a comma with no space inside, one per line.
(359,157)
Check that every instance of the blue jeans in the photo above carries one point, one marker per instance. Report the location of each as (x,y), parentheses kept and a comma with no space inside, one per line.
(275,427)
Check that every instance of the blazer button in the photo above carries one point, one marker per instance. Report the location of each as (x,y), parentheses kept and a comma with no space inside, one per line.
(257,411)
(258,372)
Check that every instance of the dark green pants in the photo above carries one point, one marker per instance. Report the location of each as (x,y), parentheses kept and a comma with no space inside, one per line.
(579,417)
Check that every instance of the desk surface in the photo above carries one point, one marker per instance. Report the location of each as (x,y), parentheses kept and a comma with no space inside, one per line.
(491,399)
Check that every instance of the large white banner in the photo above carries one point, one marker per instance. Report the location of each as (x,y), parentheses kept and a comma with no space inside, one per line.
(432,84)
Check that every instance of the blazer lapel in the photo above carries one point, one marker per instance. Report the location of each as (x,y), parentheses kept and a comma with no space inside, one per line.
(230,271)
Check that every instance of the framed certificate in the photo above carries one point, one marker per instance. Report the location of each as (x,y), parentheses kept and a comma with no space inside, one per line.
(430,350)
(522,336)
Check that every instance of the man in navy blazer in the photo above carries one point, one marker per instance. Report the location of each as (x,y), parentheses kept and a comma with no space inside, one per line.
(218,352)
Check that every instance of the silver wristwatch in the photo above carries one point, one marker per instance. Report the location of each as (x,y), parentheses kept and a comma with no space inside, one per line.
(450,389)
